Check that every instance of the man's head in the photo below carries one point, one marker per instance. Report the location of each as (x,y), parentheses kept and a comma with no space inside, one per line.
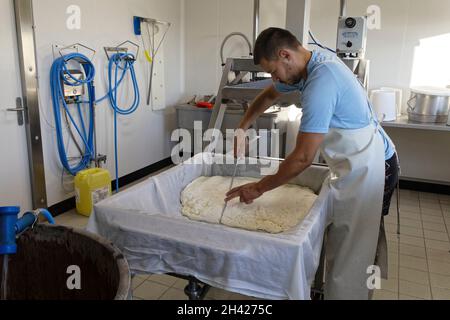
(280,53)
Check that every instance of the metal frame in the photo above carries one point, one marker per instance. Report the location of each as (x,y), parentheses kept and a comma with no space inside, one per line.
(28,70)
(232,90)
(119,48)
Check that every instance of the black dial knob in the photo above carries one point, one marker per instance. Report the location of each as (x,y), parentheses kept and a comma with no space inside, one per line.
(349,44)
(350,23)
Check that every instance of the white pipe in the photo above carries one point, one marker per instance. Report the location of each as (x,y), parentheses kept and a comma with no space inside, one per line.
(343,10)
(256,10)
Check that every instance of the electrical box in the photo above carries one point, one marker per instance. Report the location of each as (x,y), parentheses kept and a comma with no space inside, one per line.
(352,36)
(71,93)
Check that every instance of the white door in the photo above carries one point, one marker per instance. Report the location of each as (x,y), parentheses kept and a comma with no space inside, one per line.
(15,187)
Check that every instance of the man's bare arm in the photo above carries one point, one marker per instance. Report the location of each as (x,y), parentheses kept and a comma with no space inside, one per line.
(300,159)
(303,156)
(264,101)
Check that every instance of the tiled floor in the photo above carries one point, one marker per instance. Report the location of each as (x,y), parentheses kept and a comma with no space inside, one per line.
(419,260)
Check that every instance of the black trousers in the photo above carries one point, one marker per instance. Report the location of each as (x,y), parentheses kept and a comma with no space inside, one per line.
(391,181)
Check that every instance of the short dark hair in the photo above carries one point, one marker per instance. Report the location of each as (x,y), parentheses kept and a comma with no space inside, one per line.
(270,41)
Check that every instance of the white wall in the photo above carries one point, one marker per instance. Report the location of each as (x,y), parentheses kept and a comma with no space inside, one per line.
(208,22)
(393,51)
(404,23)
(144,136)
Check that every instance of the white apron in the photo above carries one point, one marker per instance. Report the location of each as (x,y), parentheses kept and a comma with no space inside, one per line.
(357,162)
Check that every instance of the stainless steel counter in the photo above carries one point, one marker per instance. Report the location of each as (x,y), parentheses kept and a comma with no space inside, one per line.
(403,122)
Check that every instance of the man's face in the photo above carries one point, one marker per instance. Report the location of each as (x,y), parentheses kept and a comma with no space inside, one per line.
(283,69)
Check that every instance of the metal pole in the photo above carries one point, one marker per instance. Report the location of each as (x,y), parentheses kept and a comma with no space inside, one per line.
(256,11)
(28,71)
(343,10)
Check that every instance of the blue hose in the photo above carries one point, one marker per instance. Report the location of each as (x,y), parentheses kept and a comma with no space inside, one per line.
(318,44)
(58,71)
(119,65)
(47,215)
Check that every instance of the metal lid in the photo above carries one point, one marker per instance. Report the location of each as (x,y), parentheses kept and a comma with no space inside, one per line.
(432,91)
(9,210)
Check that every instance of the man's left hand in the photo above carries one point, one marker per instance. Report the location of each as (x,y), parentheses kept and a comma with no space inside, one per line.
(246,193)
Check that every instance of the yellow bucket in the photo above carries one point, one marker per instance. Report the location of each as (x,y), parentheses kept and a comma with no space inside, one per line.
(91,187)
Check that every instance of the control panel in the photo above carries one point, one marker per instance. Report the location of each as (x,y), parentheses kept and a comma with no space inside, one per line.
(352,36)
(71,93)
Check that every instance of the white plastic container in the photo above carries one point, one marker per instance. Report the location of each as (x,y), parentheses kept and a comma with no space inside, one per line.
(384,105)
(399,98)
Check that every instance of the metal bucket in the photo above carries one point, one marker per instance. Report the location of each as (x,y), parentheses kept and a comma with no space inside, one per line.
(428,108)
(48,259)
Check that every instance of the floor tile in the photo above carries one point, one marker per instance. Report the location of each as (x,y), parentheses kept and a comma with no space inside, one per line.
(413,263)
(408,250)
(434,219)
(180,284)
(390,284)
(410,215)
(440,281)
(404,297)
(174,294)
(406,202)
(136,282)
(414,241)
(415,290)
(391,219)
(405,222)
(440,227)
(435,244)
(414,276)
(411,209)
(438,255)
(218,294)
(390,228)
(431,212)
(444,197)
(163,279)
(439,267)
(409,194)
(384,295)
(393,270)
(150,291)
(440,294)
(414,232)
(428,195)
(430,205)
(435,235)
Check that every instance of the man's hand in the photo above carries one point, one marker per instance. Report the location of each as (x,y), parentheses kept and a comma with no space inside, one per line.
(240,144)
(246,193)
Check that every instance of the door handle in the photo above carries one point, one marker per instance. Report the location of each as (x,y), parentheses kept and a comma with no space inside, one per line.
(19,109)
(16,110)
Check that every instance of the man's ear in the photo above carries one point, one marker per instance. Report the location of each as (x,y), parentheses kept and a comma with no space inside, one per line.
(284,54)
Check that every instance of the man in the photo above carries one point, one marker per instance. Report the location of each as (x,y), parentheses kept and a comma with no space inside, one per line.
(338,120)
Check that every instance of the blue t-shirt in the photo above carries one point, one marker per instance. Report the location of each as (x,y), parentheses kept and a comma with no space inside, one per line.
(332,97)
